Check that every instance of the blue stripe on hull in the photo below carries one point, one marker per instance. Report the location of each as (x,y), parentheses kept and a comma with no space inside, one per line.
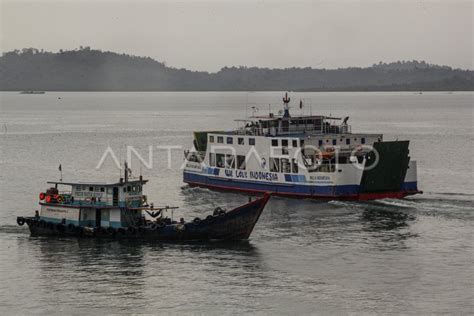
(291,189)
(410,186)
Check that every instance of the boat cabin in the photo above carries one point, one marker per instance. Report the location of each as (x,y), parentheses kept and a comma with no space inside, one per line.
(93,204)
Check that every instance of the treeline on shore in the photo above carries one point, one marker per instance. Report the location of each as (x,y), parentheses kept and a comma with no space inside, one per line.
(86,69)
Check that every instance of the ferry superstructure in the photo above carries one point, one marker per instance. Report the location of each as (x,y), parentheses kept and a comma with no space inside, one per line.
(309,156)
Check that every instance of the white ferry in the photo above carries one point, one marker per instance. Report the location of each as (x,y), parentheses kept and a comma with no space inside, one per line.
(310,156)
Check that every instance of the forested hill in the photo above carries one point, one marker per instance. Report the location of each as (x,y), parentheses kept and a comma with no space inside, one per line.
(93,70)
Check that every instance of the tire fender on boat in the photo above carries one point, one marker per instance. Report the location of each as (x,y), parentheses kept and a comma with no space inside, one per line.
(20,221)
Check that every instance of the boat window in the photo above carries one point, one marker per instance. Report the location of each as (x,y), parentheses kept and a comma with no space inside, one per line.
(320,142)
(139,188)
(134,188)
(294,165)
(343,160)
(78,188)
(102,189)
(230,161)
(285,165)
(240,162)
(284,142)
(275,164)
(220,139)
(220,160)
(362,140)
(252,141)
(211,139)
(212,159)
(124,189)
(284,151)
(91,189)
(295,143)
(241,141)
(230,140)
(275,142)
(348,141)
(334,141)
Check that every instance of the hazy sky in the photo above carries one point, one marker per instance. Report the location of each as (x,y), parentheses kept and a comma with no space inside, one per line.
(207,35)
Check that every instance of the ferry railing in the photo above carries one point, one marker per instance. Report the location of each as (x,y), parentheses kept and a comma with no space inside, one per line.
(260,131)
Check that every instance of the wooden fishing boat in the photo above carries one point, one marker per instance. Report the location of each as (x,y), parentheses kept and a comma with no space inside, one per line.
(117,210)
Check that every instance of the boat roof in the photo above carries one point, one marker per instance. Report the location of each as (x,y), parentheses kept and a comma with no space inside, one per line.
(104,184)
(275,117)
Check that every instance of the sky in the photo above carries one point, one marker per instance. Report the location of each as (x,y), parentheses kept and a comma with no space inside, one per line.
(208,35)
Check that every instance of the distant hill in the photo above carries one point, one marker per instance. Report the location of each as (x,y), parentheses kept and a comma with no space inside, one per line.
(86,69)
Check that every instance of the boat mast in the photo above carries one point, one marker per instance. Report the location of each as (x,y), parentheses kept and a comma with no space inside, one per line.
(286,101)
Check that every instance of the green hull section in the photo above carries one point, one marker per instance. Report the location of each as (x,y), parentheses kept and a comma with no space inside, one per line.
(389,173)
(200,140)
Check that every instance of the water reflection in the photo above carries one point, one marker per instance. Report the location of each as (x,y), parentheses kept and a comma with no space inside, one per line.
(377,218)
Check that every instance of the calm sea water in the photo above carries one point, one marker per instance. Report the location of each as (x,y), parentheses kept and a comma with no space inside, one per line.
(391,256)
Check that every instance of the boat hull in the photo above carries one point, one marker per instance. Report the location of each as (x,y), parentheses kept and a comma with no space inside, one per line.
(236,224)
(343,192)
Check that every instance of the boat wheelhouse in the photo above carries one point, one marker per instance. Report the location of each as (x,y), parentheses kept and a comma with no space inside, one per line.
(94,204)
(313,156)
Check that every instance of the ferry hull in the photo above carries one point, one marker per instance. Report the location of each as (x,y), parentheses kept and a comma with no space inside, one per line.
(339,192)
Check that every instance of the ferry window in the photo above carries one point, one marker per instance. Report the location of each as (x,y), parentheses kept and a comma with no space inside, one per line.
(294,165)
(211,139)
(220,139)
(355,139)
(252,141)
(78,188)
(212,159)
(230,140)
(275,164)
(241,141)
(91,189)
(230,161)
(220,160)
(302,143)
(284,151)
(284,142)
(362,140)
(102,189)
(139,188)
(320,142)
(134,188)
(275,142)
(334,141)
(348,141)
(285,165)
(241,162)
(124,189)
(295,143)
(327,140)
(129,188)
